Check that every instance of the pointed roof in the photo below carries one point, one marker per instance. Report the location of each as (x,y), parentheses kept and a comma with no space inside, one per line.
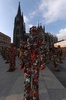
(22,17)
(38,25)
(19,10)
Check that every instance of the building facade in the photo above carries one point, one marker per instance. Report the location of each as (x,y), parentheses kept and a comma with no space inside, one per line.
(19,32)
(49,38)
(19,28)
(4,41)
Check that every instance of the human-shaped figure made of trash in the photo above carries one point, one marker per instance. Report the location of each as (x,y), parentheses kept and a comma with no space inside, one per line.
(32,62)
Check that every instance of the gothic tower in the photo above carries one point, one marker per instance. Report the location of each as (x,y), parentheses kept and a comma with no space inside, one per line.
(19,28)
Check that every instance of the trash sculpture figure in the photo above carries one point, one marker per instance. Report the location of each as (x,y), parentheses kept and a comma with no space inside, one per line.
(12,57)
(32,62)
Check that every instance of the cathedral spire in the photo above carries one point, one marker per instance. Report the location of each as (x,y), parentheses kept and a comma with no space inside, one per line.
(22,17)
(19,28)
(19,10)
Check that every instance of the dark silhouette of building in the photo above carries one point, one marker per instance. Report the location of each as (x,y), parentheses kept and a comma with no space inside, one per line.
(19,32)
(49,38)
(19,28)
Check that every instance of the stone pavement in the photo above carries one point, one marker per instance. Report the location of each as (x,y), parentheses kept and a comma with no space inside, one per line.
(11,84)
(61,75)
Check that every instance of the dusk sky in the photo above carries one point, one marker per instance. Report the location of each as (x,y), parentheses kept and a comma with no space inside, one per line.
(51,13)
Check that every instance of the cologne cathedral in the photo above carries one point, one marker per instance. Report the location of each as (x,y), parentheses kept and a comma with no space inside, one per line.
(19,31)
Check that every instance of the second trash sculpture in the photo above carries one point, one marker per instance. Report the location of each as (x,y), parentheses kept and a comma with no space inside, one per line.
(32,60)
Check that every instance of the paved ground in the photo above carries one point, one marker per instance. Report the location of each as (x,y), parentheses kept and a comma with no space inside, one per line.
(61,75)
(11,84)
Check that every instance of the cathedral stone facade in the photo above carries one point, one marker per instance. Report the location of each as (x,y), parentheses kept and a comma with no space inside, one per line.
(19,31)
